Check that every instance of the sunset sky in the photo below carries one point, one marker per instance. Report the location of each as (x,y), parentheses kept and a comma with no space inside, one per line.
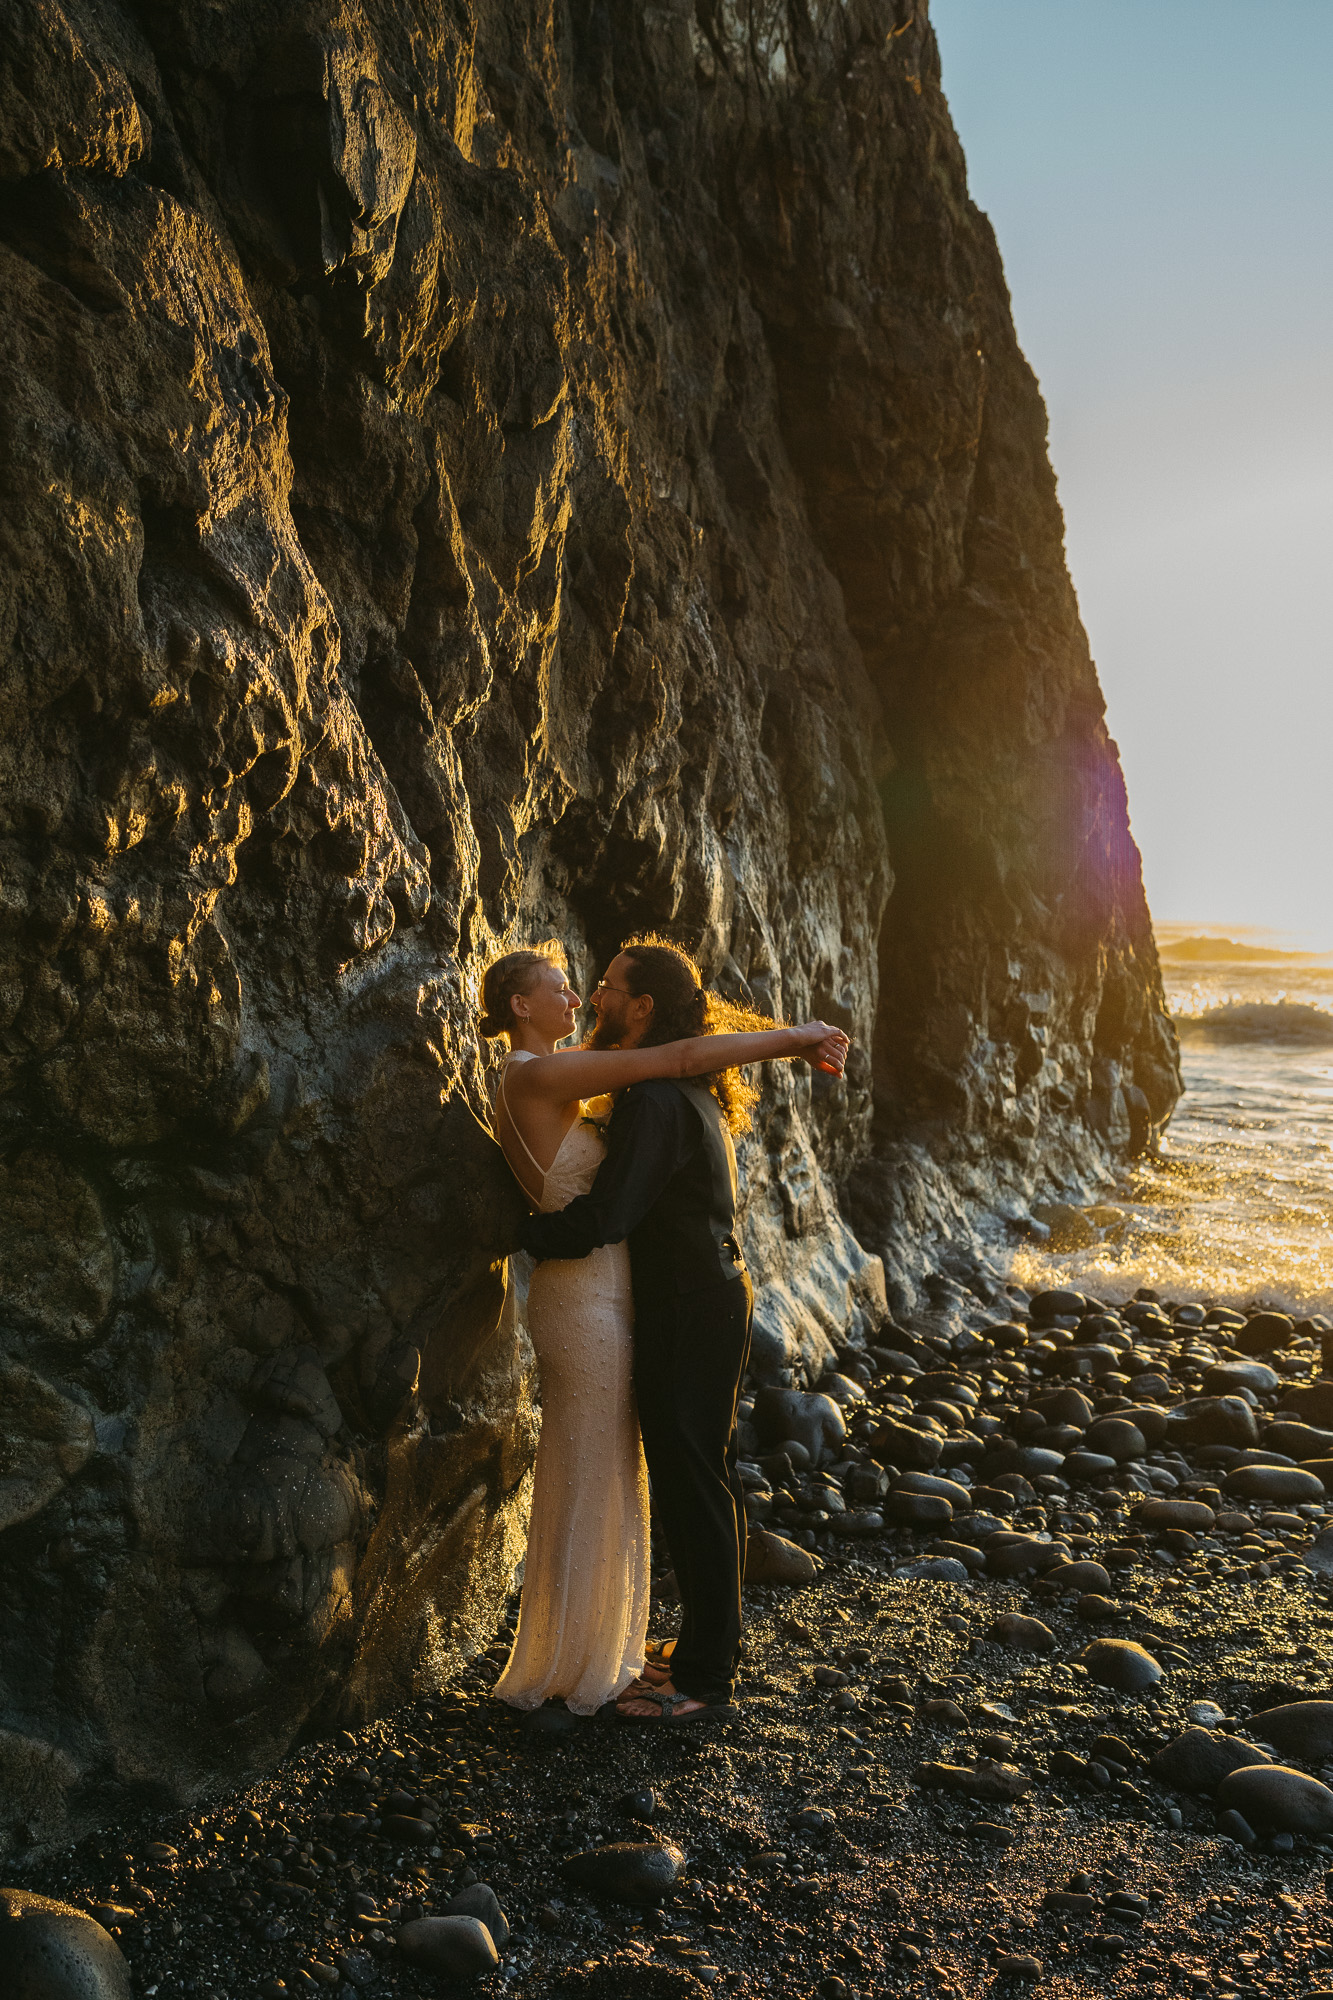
(1160,177)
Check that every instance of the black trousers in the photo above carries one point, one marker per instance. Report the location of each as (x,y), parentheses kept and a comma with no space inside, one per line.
(690,1351)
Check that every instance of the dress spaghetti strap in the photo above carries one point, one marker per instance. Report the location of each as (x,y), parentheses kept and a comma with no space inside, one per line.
(514,1128)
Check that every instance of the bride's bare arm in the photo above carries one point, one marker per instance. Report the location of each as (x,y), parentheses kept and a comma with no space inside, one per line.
(572,1073)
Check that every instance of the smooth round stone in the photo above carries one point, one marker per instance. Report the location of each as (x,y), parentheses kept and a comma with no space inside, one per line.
(1199,1759)
(1145,1418)
(963,1552)
(1094,1609)
(1121,1664)
(1020,1634)
(1262,1332)
(1191,1515)
(1018,1965)
(1237,1827)
(933,1569)
(449,1947)
(1047,1306)
(770,1558)
(1112,1437)
(1083,1576)
(895,1443)
(481,1901)
(1313,1404)
(1225,1377)
(51,1951)
(1021,1556)
(1299,1728)
(629,1871)
(843,1389)
(1273,1482)
(918,1510)
(1206,1713)
(1273,1795)
(1297,1440)
(552,1720)
(1097,1358)
(1213,1420)
(1029,1459)
(858,1521)
(810,1418)
(1088,1465)
(1066,1406)
(958,1496)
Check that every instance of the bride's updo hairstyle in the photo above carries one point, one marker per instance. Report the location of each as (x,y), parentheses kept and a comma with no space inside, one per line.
(516,972)
(682,1009)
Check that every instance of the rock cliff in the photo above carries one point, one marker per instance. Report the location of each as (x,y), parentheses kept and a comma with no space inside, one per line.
(472,472)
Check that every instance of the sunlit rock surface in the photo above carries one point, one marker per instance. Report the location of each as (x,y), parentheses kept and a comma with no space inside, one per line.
(471,474)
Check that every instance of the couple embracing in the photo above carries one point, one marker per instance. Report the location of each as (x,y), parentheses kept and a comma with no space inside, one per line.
(639,1311)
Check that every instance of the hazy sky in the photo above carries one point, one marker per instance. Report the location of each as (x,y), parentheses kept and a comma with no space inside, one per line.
(1159,174)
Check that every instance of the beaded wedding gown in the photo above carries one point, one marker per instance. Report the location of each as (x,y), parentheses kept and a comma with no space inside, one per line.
(583,1616)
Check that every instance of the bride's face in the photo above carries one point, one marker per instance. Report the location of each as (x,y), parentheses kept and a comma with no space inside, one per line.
(551,1005)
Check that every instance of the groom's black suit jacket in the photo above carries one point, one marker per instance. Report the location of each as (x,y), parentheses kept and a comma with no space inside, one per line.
(667,1187)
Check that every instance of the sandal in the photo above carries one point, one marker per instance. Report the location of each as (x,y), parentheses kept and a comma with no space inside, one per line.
(667,1706)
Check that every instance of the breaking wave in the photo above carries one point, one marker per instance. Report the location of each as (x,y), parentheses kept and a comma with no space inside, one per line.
(1285,1022)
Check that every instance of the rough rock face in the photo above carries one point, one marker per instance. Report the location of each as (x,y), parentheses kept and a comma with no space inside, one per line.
(471,474)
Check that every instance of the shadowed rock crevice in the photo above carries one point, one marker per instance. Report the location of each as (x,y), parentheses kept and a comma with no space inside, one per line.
(467,478)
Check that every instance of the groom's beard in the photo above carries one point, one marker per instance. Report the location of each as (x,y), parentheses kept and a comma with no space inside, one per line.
(603,1034)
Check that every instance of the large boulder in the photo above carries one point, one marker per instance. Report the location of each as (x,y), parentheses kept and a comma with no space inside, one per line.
(51,1951)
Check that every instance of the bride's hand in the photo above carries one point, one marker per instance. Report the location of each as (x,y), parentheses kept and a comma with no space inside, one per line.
(824,1047)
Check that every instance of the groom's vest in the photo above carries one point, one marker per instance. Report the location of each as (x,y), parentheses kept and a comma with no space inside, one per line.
(688,1238)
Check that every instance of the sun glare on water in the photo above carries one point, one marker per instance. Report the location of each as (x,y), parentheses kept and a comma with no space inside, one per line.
(1238,1205)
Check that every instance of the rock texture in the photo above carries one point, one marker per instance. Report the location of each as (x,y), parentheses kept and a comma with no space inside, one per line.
(470,474)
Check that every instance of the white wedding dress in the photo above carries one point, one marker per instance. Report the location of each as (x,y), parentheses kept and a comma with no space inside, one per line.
(583,1617)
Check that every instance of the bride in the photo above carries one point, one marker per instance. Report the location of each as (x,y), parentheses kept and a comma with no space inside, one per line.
(583,1617)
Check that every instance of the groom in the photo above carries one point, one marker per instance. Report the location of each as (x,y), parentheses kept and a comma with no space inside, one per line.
(668,1187)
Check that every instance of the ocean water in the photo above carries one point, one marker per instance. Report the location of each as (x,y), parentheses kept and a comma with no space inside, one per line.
(1239,1205)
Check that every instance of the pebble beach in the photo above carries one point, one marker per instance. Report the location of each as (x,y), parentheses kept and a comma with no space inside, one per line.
(1044,1706)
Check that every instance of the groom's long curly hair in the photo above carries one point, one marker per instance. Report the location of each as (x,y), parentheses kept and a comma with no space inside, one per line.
(682,1009)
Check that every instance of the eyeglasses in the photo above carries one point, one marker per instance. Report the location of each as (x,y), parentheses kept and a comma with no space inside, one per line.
(605,986)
